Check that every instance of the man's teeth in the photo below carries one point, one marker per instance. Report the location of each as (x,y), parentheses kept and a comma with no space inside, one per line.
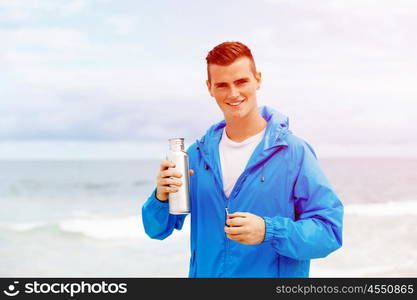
(235,103)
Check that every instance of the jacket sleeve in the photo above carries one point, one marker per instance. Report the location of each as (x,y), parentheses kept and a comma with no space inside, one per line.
(316,229)
(157,221)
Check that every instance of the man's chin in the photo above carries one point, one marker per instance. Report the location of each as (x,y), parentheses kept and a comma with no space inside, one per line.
(235,114)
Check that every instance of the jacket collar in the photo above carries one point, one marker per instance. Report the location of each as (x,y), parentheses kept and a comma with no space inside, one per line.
(276,131)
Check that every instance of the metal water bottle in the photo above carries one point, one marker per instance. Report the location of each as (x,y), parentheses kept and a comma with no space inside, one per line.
(179,202)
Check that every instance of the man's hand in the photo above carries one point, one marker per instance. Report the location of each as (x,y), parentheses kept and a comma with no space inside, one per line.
(245,228)
(167,181)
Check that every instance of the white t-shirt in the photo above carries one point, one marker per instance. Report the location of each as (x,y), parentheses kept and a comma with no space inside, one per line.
(234,157)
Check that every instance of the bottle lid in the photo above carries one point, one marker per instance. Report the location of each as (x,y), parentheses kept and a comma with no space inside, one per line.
(176,144)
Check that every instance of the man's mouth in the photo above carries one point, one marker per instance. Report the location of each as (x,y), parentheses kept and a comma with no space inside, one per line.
(235,103)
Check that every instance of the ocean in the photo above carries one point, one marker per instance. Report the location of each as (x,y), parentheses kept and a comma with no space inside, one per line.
(83,219)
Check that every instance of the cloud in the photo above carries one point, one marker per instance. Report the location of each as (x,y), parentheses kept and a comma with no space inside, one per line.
(127,84)
(44,38)
(123,24)
(85,70)
(24,10)
(344,30)
(105,119)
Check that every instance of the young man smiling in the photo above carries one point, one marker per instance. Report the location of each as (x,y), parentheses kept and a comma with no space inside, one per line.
(261,205)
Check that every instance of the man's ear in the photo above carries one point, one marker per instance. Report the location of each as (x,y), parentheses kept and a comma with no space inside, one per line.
(208,83)
(258,78)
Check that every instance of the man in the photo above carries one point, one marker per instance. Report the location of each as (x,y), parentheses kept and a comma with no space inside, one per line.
(261,205)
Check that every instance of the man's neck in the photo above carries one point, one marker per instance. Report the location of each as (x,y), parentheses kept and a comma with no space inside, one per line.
(240,129)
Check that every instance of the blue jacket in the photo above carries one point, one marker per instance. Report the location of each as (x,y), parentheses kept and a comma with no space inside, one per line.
(282,182)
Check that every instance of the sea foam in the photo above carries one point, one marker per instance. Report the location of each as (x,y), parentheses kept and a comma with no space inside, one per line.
(400,208)
(97,227)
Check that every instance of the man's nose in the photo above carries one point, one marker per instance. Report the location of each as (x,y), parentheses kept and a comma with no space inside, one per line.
(234,92)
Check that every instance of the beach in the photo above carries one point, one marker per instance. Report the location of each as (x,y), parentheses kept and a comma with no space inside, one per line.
(82,218)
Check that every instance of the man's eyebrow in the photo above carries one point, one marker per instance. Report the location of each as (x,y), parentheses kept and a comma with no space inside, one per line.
(220,83)
(242,79)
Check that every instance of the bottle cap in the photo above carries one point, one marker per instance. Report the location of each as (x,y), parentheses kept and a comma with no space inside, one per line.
(176,144)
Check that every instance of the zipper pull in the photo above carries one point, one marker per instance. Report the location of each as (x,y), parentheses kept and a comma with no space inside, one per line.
(227,213)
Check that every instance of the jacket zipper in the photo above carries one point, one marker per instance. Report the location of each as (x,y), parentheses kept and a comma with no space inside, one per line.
(219,181)
(233,194)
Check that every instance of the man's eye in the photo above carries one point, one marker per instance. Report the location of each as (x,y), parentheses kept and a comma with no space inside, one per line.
(242,82)
(221,86)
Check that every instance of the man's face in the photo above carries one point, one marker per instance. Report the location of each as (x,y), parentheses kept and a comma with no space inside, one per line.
(234,87)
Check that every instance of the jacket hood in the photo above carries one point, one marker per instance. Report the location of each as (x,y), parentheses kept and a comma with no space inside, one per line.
(275,133)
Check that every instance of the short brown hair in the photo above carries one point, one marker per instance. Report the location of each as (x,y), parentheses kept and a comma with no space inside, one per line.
(226,53)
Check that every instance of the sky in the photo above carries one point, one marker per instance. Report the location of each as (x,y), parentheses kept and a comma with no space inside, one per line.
(128,72)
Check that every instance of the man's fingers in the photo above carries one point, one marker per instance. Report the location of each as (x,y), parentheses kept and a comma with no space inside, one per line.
(170,181)
(238,214)
(236,221)
(168,189)
(236,237)
(166,164)
(191,171)
(170,173)
(234,230)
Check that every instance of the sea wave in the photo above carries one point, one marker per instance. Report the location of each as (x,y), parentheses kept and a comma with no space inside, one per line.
(96,228)
(33,186)
(393,208)
(104,229)
(99,227)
